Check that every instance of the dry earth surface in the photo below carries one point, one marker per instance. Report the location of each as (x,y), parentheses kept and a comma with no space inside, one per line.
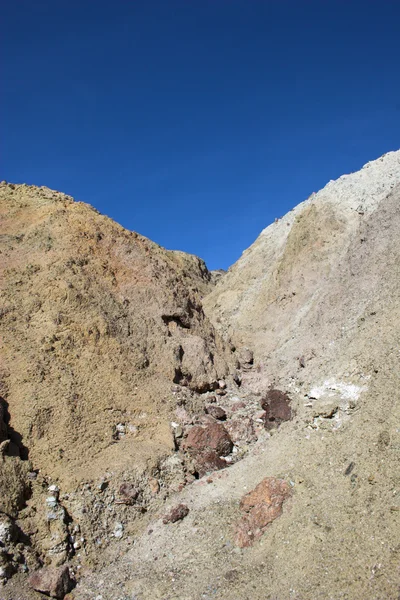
(173,434)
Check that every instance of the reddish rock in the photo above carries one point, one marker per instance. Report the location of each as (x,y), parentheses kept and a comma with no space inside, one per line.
(277,408)
(212,437)
(241,430)
(269,491)
(178,513)
(54,582)
(207,462)
(262,506)
(216,411)
(238,406)
(128,493)
(245,532)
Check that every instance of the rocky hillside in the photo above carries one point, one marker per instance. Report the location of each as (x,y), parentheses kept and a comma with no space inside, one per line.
(159,451)
(98,327)
(322,281)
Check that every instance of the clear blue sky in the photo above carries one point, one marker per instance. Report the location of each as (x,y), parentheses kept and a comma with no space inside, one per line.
(196,123)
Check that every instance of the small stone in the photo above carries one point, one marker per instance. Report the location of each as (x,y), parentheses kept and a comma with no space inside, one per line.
(237,378)
(324,407)
(51,501)
(259,416)
(128,493)
(178,513)
(277,408)
(245,358)
(7,530)
(154,486)
(238,406)
(118,530)
(178,432)
(54,582)
(212,437)
(222,384)
(216,411)
(53,489)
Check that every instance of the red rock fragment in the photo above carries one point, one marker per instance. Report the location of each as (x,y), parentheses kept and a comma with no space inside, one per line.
(178,513)
(212,437)
(128,493)
(54,582)
(262,506)
(238,406)
(277,408)
(207,462)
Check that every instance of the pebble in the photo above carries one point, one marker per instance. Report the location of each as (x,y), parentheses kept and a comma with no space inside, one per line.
(118,530)
(51,501)
(177,513)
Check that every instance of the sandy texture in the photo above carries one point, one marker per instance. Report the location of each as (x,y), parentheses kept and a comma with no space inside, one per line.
(316,298)
(97,326)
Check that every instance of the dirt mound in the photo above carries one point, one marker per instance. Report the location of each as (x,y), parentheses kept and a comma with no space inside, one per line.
(98,327)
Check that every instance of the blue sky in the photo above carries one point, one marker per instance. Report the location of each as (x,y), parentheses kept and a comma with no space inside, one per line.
(196,123)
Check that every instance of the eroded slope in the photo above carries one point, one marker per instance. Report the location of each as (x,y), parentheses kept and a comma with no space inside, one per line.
(97,326)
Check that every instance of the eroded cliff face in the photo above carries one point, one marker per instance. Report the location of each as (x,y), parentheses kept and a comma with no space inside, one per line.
(320,282)
(98,326)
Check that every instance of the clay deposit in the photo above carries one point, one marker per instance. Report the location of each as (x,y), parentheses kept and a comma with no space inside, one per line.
(170,434)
